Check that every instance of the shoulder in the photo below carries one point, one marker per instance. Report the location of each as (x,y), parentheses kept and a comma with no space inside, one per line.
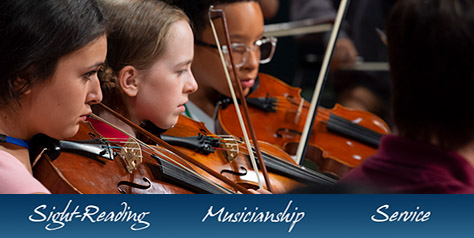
(405,166)
(16,179)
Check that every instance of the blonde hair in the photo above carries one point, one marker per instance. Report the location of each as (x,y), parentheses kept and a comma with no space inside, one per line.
(139,33)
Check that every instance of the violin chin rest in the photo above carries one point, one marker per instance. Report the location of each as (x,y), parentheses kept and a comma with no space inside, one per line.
(42,142)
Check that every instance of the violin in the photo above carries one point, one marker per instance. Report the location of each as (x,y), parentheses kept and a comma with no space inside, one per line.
(229,157)
(159,142)
(340,139)
(88,163)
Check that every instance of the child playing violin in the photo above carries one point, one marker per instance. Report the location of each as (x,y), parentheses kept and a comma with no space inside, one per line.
(250,48)
(430,55)
(51,51)
(148,67)
(147,77)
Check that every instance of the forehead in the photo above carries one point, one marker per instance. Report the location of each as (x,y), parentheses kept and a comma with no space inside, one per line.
(94,51)
(179,44)
(244,19)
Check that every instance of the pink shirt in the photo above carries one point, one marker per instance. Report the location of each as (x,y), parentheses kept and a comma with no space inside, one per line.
(15,178)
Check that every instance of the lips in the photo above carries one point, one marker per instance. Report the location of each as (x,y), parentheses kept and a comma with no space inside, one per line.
(182,107)
(84,116)
(183,104)
(247,83)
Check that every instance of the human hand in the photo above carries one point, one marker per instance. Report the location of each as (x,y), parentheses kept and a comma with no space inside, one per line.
(260,191)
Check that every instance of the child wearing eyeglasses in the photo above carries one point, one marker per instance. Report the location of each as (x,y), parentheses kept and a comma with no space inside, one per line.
(250,49)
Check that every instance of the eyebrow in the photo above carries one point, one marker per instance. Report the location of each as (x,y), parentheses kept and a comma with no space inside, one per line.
(242,37)
(184,63)
(238,37)
(98,64)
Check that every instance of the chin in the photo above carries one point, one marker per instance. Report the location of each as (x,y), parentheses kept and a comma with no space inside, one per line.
(167,126)
(71,132)
(229,95)
(171,125)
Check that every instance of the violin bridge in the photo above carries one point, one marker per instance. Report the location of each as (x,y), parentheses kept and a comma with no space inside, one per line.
(231,148)
(131,154)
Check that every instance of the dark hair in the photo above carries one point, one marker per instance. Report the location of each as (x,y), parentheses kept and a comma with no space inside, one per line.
(431,57)
(36,34)
(197,11)
(138,37)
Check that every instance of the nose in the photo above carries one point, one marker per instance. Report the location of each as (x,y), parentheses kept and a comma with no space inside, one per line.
(253,61)
(94,96)
(190,86)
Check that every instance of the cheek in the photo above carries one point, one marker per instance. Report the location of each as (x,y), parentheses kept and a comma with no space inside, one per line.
(70,97)
(215,78)
(154,103)
(163,115)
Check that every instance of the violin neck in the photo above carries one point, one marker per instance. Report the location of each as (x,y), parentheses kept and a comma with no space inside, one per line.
(353,131)
(168,171)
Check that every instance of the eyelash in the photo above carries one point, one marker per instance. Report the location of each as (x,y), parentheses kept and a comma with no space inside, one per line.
(181,72)
(91,73)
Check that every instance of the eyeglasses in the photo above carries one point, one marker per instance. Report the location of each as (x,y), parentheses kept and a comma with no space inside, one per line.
(240,51)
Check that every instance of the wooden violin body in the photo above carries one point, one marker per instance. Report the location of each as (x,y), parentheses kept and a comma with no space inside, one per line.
(113,169)
(235,165)
(341,138)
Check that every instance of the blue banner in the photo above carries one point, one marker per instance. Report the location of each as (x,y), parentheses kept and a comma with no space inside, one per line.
(229,216)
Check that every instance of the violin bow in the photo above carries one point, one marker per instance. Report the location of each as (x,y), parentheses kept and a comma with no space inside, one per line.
(220,14)
(301,151)
(167,146)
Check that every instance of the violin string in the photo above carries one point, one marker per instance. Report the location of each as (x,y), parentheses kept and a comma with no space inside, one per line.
(181,154)
(146,149)
(153,151)
(269,153)
(150,151)
(157,152)
(322,77)
(285,105)
(234,97)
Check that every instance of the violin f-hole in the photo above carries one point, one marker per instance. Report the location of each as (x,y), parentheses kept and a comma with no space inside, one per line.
(133,185)
(234,172)
(279,133)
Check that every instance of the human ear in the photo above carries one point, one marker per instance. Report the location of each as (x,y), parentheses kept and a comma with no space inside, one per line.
(128,80)
(19,86)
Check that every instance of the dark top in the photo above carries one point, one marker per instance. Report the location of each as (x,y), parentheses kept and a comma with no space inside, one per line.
(402,165)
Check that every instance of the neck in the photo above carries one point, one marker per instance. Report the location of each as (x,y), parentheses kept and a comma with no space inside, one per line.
(467,152)
(206,100)
(118,123)
(14,125)
(9,126)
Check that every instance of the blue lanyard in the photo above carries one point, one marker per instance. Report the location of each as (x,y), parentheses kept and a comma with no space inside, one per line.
(15,141)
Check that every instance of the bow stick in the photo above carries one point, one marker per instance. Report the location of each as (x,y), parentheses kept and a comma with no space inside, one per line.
(300,153)
(172,149)
(220,13)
